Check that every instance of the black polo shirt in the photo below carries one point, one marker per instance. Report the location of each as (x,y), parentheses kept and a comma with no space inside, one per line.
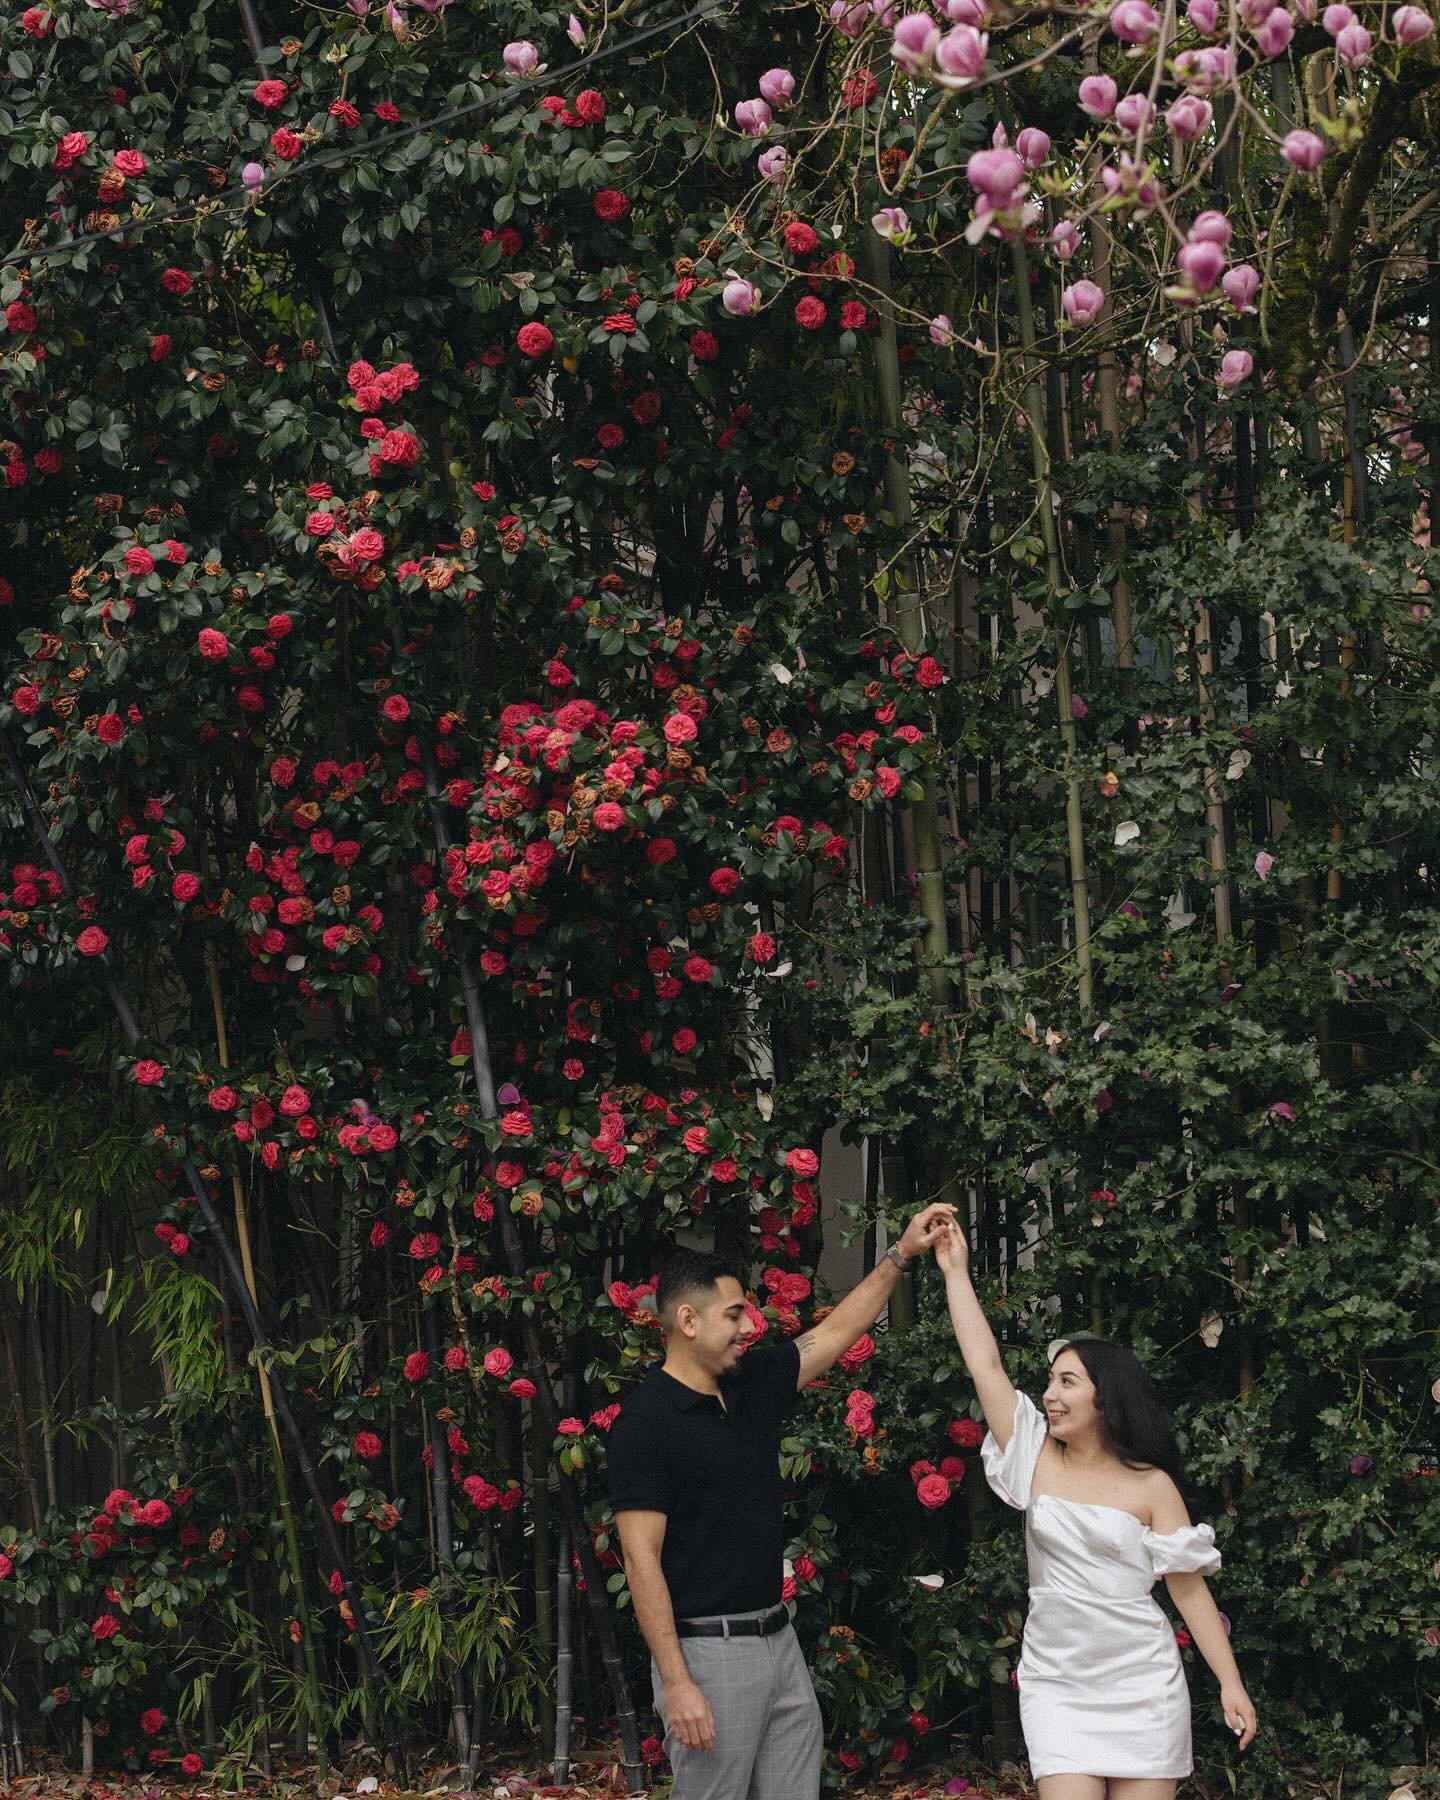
(715,1473)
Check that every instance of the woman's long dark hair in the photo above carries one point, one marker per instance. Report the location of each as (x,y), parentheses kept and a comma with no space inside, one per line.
(1133,1424)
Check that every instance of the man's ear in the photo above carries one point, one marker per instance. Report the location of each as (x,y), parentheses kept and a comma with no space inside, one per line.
(687,1320)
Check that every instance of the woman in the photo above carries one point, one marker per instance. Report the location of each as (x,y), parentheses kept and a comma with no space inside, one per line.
(1103,1700)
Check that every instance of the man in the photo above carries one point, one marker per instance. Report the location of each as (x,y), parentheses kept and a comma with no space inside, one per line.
(695,1483)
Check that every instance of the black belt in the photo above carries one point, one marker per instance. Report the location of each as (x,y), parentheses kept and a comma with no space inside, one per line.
(766,1626)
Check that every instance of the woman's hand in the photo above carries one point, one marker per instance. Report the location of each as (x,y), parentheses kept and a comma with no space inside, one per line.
(1239,1713)
(952,1251)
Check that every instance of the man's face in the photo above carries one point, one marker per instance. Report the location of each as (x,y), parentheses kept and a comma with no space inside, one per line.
(716,1325)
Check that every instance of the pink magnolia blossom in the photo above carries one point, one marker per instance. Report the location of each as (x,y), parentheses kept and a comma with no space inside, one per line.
(521,58)
(1065,239)
(960,54)
(1264,861)
(1202,71)
(1353,46)
(1304,149)
(1211,227)
(1204,15)
(967,12)
(997,174)
(942,331)
(1237,366)
(777,86)
(772,162)
(1256,12)
(1081,302)
(1097,95)
(1201,264)
(849,17)
(1188,116)
(253,175)
(1282,1111)
(1134,113)
(1336,18)
(1411,24)
(891,223)
(1240,286)
(1034,147)
(914,41)
(575,31)
(1131,181)
(1273,37)
(1134,21)
(738,297)
(753,117)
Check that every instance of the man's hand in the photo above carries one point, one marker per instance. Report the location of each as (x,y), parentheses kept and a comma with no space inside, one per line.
(925,1228)
(689,1714)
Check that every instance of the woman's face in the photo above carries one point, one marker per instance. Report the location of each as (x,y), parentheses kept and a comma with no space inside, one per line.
(1070,1398)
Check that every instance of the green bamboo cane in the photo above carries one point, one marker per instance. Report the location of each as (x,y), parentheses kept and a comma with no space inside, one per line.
(1044,494)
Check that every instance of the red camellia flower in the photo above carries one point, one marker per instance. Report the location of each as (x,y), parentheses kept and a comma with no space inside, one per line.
(192,1764)
(223,1099)
(802,1163)
(498,1362)
(523,1388)
(152,1721)
(149,1073)
(91,941)
(213,645)
(396,708)
(590,105)
(417,1366)
(105,1627)
(286,143)
(367,1446)
(800,238)
(70,149)
(20,316)
(965,1434)
(36,22)
(348,115)
(810,312)
(185,886)
(110,728)
(270,94)
(153,1513)
(932,1490)
(534,339)
(611,204)
(129,162)
(704,346)
(570,1428)
(760,948)
(177,281)
(293,1102)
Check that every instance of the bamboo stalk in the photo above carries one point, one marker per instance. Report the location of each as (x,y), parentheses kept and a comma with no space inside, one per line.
(564,1659)
(1049,533)
(445,1540)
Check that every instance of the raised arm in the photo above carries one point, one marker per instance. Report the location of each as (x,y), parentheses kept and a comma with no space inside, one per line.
(857,1312)
(642,1535)
(974,1336)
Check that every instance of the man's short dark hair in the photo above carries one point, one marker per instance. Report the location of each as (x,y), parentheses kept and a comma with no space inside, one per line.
(687,1275)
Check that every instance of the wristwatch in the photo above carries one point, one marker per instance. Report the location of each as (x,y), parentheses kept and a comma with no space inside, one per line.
(897,1256)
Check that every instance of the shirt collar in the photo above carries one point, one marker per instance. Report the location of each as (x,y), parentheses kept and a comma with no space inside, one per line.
(681,1397)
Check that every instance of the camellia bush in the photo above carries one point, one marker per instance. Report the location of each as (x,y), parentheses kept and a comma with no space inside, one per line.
(619,624)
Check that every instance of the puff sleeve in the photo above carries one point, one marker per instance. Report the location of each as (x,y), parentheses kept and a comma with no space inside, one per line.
(1189,1551)
(1010,1471)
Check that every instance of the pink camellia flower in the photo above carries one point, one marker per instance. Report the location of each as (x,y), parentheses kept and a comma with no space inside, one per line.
(521,58)
(1081,302)
(1353,46)
(1065,239)
(1134,113)
(960,55)
(1033,146)
(1240,286)
(1273,37)
(753,117)
(773,162)
(1134,21)
(1336,18)
(942,331)
(1211,227)
(777,86)
(891,223)
(914,41)
(1201,264)
(1411,24)
(1304,149)
(996,174)
(1188,116)
(1097,96)
(738,297)
(1204,15)
(1236,366)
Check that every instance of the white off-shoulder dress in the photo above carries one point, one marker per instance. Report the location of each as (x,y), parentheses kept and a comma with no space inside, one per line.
(1102,1689)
